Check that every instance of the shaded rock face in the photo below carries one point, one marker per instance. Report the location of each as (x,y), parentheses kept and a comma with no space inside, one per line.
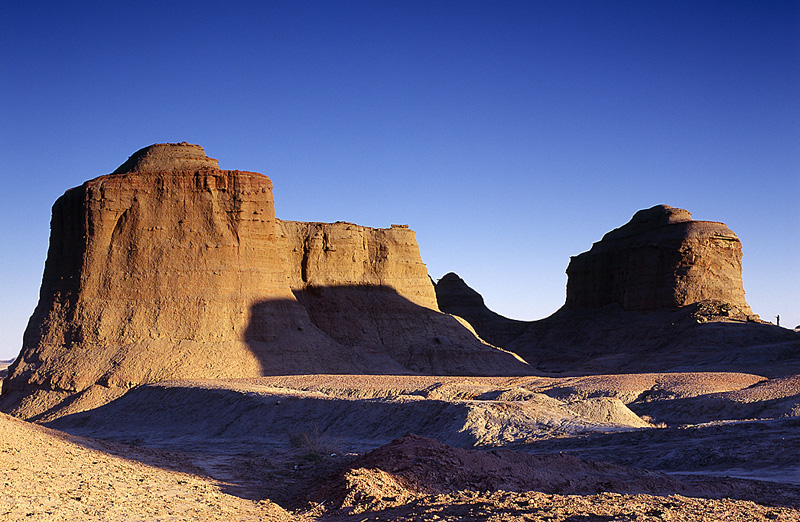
(171,268)
(611,340)
(661,259)
(455,297)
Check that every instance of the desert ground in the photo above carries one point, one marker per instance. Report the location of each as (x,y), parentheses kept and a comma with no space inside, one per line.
(679,446)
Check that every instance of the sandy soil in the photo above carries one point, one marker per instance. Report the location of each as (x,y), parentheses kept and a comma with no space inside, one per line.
(48,475)
(332,447)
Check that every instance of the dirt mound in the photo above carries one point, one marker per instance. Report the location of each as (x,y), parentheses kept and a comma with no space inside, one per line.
(770,399)
(413,467)
(532,506)
(607,409)
(428,466)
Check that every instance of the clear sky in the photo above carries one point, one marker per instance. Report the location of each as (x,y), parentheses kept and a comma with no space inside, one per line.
(508,135)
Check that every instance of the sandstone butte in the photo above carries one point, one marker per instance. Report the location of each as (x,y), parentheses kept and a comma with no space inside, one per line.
(170,268)
(660,259)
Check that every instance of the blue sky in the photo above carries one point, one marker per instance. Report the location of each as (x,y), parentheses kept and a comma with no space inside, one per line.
(509,135)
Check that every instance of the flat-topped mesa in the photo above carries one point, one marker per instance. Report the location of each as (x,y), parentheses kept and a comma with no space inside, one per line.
(660,259)
(162,157)
(170,268)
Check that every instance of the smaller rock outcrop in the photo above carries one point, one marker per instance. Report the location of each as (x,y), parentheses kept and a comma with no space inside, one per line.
(661,293)
(661,259)
(455,297)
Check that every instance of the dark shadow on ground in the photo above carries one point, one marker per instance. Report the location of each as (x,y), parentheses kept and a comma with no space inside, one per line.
(754,444)
(616,341)
(371,330)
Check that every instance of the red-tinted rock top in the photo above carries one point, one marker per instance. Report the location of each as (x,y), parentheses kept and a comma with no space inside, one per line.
(161,157)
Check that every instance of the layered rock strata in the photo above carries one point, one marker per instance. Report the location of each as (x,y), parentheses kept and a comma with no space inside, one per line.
(660,259)
(346,254)
(172,268)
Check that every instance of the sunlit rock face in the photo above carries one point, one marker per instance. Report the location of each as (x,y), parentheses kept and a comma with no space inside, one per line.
(148,265)
(342,254)
(172,268)
(660,259)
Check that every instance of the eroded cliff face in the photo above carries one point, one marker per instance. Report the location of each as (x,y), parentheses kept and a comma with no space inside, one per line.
(661,259)
(170,268)
(145,267)
(343,254)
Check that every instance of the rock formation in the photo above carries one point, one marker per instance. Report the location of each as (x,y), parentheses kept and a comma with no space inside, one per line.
(171,268)
(346,254)
(455,297)
(660,259)
(661,293)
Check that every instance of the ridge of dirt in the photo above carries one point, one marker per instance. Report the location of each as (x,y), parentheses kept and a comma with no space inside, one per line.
(412,467)
(533,506)
(464,415)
